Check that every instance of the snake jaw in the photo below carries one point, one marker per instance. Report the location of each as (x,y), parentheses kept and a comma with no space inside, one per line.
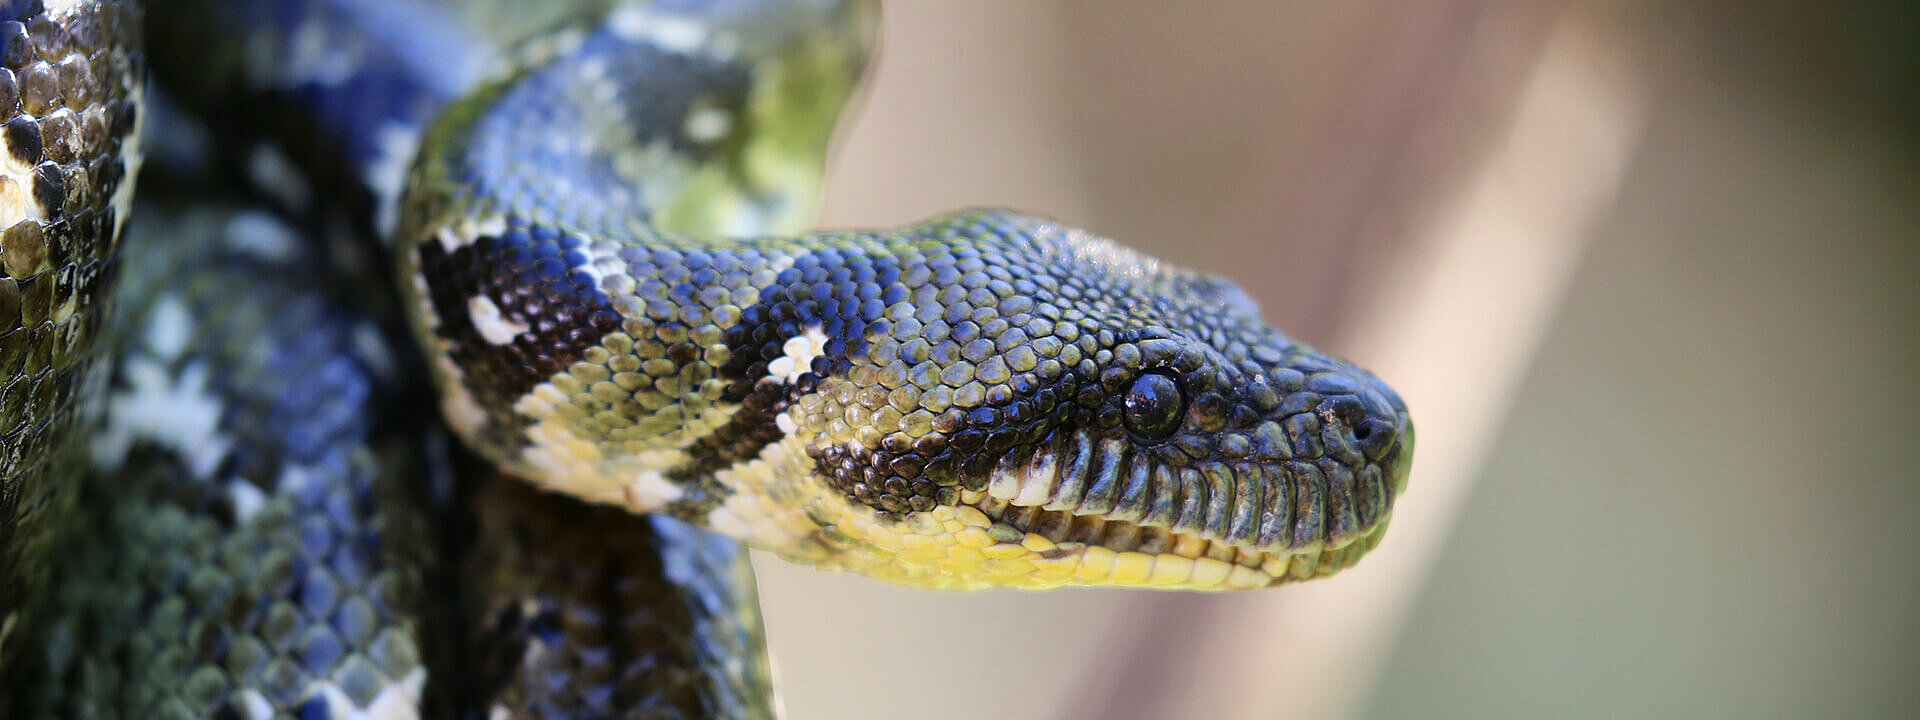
(1115,516)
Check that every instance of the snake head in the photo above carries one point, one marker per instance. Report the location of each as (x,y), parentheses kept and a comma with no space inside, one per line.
(1039,406)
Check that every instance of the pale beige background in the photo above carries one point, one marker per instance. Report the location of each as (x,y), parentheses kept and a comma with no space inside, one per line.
(1699,504)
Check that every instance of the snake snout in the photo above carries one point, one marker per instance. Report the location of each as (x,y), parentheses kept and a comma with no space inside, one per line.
(1388,428)
(1366,423)
(1376,420)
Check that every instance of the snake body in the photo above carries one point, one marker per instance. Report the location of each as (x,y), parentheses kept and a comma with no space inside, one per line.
(69,101)
(595,247)
(265,525)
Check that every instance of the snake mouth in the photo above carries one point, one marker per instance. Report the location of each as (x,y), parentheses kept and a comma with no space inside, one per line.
(1118,516)
(1122,553)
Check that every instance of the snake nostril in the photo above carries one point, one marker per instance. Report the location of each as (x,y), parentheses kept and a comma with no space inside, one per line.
(1371,422)
(1374,435)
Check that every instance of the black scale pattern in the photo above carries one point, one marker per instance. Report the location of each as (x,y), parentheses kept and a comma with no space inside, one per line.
(530,275)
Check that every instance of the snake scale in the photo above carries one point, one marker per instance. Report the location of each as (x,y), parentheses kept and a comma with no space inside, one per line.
(234,496)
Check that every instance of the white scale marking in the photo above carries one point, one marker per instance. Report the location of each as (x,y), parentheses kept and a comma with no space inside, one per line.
(179,414)
(398,701)
(448,241)
(260,234)
(462,412)
(469,231)
(294,479)
(492,324)
(708,124)
(388,175)
(673,34)
(254,704)
(131,159)
(651,489)
(169,327)
(270,168)
(246,498)
(425,307)
(797,355)
(593,271)
(16,189)
(176,412)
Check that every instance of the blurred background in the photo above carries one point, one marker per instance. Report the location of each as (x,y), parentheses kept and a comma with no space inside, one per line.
(1647,273)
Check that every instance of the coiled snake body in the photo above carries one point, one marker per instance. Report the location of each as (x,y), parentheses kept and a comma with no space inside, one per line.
(592,243)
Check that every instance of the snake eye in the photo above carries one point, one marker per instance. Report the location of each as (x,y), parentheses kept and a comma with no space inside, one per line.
(1154,406)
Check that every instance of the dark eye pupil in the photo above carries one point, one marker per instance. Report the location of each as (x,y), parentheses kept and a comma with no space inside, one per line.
(1154,406)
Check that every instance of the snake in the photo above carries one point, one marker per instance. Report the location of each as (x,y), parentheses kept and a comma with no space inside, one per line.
(457,344)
